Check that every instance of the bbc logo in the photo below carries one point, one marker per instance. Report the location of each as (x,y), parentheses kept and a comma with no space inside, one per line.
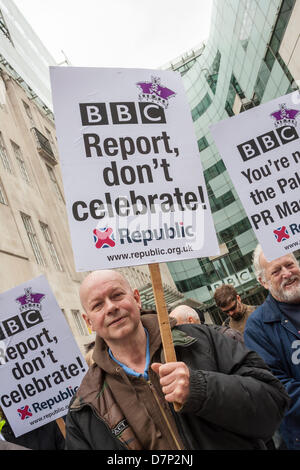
(99,114)
(267,142)
(16,324)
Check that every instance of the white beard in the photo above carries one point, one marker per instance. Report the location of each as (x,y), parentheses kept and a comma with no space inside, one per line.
(291,295)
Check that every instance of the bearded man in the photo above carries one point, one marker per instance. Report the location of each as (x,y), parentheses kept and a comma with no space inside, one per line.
(230,303)
(273,331)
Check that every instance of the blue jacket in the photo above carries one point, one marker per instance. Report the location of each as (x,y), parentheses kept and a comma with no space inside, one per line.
(277,341)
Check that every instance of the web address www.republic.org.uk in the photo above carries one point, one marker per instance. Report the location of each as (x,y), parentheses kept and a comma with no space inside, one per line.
(49,415)
(294,245)
(151,252)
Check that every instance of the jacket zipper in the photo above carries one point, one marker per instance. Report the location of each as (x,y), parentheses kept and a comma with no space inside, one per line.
(164,415)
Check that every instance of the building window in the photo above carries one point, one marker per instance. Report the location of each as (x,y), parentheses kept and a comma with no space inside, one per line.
(234,230)
(51,247)
(49,135)
(214,170)
(229,109)
(218,203)
(233,90)
(33,239)
(21,162)
(3,199)
(212,78)
(273,50)
(236,86)
(201,107)
(4,155)
(247,22)
(202,144)
(79,322)
(54,182)
(29,114)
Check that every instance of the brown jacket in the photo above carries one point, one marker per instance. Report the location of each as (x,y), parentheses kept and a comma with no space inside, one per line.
(121,393)
(223,374)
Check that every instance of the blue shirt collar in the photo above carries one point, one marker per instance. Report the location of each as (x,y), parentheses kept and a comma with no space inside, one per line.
(130,371)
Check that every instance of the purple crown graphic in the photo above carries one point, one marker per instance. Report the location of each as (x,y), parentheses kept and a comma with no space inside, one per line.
(30,300)
(154,92)
(285,117)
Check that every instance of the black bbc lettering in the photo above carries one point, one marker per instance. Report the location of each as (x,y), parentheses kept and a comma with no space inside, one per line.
(248,150)
(13,325)
(128,112)
(31,318)
(123,113)
(287,134)
(152,113)
(93,114)
(266,142)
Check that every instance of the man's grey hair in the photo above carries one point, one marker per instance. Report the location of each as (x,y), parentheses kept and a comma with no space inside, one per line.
(183,312)
(258,270)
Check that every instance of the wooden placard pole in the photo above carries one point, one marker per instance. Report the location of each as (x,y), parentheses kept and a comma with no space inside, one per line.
(163,317)
(62,426)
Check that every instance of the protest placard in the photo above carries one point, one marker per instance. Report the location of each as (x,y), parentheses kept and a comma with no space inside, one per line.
(41,365)
(132,174)
(261,151)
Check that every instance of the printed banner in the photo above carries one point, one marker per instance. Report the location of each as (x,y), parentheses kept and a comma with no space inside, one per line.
(41,365)
(261,151)
(131,168)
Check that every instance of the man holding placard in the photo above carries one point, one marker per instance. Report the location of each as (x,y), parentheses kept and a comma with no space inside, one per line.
(126,399)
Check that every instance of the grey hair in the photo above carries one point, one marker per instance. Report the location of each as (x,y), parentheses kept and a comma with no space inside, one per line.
(258,270)
(183,312)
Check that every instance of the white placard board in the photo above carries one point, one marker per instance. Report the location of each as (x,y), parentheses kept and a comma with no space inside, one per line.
(131,168)
(261,150)
(41,366)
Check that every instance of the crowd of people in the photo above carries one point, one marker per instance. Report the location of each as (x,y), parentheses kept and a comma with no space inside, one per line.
(235,386)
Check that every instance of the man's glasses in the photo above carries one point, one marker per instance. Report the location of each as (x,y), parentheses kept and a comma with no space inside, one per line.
(233,307)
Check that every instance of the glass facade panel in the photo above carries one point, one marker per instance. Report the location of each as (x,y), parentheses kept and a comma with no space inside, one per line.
(243,53)
(201,107)
(202,144)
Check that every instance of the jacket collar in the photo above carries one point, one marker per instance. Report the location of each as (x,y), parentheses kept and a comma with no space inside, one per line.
(93,382)
(271,312)
(150,322)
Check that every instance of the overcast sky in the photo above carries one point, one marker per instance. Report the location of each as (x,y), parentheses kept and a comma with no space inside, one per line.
(118,33)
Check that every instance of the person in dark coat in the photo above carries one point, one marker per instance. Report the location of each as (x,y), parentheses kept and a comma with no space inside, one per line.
(227,396)
(273,331)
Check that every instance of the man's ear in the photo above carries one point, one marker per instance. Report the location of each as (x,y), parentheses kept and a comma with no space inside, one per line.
(87,321)
(263,282)
(137,297)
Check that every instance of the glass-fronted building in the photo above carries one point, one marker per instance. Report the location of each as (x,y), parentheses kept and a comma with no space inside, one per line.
(248,59)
